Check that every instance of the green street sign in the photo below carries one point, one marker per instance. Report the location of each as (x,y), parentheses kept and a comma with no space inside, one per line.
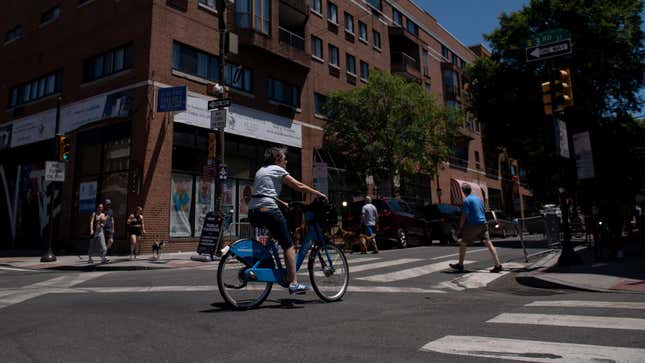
(549,36)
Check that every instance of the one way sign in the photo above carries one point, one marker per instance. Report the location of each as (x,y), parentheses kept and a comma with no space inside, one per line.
(550,50)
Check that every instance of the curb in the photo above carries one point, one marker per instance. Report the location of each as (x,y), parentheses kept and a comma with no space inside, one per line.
(532,278)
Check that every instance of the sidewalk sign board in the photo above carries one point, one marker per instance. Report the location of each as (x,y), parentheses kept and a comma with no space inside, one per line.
(211,236)
(55,171)
(171,99)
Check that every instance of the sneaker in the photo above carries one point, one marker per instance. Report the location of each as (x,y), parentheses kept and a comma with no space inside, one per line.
(457,266)
(374,252)
(496,269)
(105,260)
(298,289)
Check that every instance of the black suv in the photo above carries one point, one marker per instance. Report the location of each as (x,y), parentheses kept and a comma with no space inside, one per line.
(443,220)
(397,223)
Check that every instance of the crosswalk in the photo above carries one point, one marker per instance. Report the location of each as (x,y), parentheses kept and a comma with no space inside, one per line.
(548,350)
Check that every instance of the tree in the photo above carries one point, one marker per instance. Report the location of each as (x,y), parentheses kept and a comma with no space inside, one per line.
(389,126)
(607,71)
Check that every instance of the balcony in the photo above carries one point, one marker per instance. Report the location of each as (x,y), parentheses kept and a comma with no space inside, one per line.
(405,66)
(458,163)
(292,39)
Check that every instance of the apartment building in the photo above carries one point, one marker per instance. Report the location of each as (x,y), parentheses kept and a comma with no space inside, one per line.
(91,70)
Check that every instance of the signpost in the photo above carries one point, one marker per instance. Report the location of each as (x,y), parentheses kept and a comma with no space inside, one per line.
(221,103)
(171,99)
(55,171)
(549,50)
(218,119)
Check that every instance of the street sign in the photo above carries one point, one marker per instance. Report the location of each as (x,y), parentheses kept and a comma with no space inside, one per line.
(549,36)
(550,50)
(563,139)
(55,171)
(221,103)
(218,119)
(171,99)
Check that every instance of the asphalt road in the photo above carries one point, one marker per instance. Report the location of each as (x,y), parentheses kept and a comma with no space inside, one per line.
(388,315)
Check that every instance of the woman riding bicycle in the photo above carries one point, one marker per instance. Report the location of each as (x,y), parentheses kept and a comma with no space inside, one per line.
(264,210)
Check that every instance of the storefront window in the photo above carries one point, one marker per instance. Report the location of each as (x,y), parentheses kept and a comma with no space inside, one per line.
(180,202)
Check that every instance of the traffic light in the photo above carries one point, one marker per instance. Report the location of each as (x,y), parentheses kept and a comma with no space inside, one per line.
(546,98)
(563,91)
(64,148)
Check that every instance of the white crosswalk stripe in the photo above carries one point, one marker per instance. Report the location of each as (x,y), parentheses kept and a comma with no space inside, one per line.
(409,273)
(375,265)
(532,351)
(541,351)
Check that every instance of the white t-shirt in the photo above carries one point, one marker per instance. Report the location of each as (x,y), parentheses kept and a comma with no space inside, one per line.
(268,182)
(370,214)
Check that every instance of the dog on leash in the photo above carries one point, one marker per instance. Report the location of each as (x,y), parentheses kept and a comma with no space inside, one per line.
(156,249)
(353,238)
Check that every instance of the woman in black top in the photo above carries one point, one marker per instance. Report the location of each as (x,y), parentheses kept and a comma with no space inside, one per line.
(136,228)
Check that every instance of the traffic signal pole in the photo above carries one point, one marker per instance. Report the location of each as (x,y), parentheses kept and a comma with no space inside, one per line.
(49,256)
(219,150)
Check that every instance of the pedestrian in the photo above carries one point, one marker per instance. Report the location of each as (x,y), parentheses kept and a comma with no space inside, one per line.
(264,209)
(474,227)
(369,219)
(108,229)
(97,233)
(136,229)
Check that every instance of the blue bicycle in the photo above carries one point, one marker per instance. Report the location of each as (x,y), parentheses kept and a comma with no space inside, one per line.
(248,268)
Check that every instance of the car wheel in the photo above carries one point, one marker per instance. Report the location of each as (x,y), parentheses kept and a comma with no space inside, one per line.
(402,238)
(452,235)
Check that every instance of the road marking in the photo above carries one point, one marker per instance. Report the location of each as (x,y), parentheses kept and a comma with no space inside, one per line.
(67,280)
(576,321)
(532,350)
(457,254)
(5,268)
(18,297)
(409,273)
(362,259)
(478,279)
(589,304)
(375,265)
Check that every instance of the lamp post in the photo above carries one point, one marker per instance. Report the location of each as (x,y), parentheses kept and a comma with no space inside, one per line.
(49,256)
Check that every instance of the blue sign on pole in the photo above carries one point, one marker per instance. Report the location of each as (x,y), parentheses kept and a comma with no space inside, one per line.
(171,99)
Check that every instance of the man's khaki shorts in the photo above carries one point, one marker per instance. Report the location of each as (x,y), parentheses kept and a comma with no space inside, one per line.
(475,233)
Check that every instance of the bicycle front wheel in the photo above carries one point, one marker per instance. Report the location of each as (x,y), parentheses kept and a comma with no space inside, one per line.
(238,291)
(328,272)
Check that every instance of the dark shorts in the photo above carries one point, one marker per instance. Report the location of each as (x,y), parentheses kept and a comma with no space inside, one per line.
(475,233)
(109,234)
(369,230)
(135,231)
(274,221)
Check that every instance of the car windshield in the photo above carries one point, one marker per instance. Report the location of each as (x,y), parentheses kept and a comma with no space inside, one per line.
(380,205)
(447,208)
(399,206)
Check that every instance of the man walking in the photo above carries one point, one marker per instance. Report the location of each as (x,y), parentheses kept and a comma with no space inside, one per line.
(369,218)
(474,227)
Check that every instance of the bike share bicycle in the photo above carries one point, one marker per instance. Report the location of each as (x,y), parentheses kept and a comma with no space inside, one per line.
(248,268)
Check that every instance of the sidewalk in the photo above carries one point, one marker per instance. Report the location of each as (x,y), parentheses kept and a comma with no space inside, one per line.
(626,275)
(117,263)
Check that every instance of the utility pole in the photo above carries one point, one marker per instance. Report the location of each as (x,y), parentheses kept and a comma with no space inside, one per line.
(49,256)
(219,133)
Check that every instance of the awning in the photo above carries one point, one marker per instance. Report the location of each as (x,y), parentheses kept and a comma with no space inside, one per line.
(457,195)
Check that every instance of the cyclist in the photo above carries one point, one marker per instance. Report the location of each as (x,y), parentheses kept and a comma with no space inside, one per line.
(264,209)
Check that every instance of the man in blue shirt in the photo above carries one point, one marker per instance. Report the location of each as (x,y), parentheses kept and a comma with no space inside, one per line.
(474,227)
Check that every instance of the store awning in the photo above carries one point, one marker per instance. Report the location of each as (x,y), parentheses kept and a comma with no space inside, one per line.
(457,195)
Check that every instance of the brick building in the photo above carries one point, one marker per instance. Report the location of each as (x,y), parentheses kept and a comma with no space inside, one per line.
(96,67)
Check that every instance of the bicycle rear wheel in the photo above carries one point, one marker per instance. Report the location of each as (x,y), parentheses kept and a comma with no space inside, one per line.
(329,275)
(239,292)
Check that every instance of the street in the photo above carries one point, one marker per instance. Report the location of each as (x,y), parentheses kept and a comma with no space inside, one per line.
(402,305)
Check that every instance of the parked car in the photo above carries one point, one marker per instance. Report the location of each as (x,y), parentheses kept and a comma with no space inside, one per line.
(443,220)
(500,225)
(397,225)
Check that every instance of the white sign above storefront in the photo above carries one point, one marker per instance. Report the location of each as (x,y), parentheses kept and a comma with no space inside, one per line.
(34,128)
(244,121)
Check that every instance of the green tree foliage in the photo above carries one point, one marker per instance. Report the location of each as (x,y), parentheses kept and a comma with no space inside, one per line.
(607,73)
(389,125)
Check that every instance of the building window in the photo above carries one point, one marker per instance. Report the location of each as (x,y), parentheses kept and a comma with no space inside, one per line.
(50,15)
(463,64)
(477,156)
(332,13)
(351,64)
(445,52)
(365,71)
(208,3)
(397,17)
(238,77)
(424,62)
(349,23)
(319,103)
(316,47)
(376,3)
(362,31)
(427,87)
(377,39)
(333,56)
(105,64)
(14,34)
(412,28)
(262,12)
(38,88)
(243,13)
(284,93)
(194,61)
(316,6)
